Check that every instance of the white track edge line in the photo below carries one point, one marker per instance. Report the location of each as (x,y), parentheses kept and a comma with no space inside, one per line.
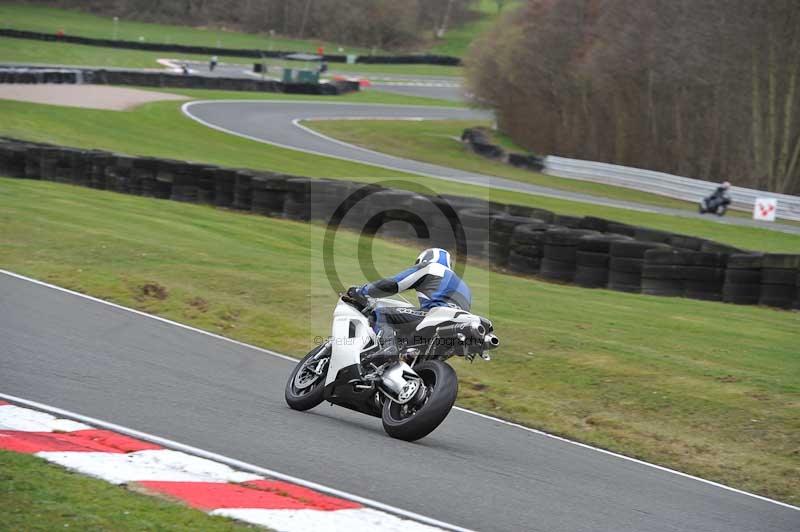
(460,409)
(232,462)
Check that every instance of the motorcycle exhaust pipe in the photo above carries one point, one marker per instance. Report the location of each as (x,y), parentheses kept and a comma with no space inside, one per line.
(490,341)
(473,330)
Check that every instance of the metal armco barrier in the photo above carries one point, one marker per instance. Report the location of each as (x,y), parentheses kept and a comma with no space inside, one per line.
(671,186)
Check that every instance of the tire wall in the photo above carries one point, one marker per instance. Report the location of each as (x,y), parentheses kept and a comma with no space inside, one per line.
(168,79)
(589,252)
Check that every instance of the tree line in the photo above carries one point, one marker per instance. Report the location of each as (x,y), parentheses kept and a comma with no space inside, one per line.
(382,24)
(701,88)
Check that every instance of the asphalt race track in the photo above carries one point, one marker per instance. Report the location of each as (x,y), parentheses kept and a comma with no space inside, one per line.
(105,362)
(275,123)
(441,87)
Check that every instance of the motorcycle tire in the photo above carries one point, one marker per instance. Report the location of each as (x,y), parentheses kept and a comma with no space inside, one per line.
(442,384)
(297,398)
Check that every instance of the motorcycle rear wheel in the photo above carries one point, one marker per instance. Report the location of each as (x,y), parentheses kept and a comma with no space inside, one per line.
(412,423)
(300,394)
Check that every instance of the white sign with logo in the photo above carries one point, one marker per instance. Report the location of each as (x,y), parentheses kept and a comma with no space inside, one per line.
(764,209)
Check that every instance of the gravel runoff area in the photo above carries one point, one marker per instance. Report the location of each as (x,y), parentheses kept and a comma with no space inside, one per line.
(88,96)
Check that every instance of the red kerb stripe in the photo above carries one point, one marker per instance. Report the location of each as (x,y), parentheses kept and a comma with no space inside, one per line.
(264,494)
(92,440)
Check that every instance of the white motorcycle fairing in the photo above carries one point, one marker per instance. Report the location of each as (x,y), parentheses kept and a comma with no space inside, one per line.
(351,335)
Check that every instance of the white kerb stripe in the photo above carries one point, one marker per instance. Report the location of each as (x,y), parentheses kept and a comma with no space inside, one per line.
(157,465)
(13,417)
(324,521)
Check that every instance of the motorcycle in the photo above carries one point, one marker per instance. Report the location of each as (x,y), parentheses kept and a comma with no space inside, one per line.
(715,205)
(413,393)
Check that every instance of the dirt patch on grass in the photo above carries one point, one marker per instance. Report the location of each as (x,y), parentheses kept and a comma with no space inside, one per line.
(199,304)
(153,291)
(88,96)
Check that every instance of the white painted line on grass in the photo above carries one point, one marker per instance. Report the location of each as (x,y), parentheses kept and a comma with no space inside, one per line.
(236,463)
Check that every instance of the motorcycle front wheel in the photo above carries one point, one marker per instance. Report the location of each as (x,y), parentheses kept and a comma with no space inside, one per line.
(306,384)
(420,417)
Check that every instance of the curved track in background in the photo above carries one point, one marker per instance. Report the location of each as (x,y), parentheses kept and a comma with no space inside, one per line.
(277,123)
(477,472)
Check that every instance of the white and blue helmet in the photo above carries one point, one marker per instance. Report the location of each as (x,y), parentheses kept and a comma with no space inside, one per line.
(435,255)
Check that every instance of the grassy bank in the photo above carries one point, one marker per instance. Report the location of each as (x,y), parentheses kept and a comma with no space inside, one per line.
(35,495)
(707,388)
(159,129)
(79,23)
(457,40)
(436,142)
(36,52)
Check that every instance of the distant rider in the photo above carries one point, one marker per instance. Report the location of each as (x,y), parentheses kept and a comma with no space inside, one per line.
(722,192)
(437,285)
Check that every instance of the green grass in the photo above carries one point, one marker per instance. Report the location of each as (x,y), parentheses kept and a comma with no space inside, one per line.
(707,388)
(159,129)
(435,141)
(456,41)
(40,52)
(35,495)
(79,23)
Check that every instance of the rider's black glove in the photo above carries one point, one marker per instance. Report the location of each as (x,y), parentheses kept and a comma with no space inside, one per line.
(354,292)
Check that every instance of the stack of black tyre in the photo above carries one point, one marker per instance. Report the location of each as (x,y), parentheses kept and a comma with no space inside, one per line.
(797,292)
(743,279)
(336,201)
(224,186)
(779,280)
(627,263)
(298,194)
(590,252)
(704,275)
(525,211)
(269,194)
(12,158)
(664,272)
(592,258)
(477,224)
(500,231)
(118,173)
(387,216)
(205,184)
(144,172)
(526,247)
(559,253)
(243,190)
(618,228)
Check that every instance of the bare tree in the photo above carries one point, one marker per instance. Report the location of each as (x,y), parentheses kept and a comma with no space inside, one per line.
(705,88)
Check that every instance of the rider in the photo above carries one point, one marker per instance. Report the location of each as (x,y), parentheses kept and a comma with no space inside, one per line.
(437,285)
(720,195)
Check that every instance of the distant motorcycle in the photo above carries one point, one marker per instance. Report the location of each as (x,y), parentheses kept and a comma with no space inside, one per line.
(714,205)
(717,203)
(412,394)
